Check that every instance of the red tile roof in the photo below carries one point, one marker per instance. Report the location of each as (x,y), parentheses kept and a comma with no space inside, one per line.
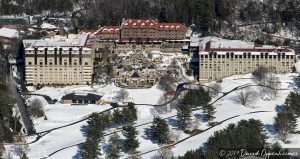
(109,30)
(151,24)
(88,31)
(138,24)
(171,27)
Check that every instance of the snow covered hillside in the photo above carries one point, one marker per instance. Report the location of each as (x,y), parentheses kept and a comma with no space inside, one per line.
(63,142)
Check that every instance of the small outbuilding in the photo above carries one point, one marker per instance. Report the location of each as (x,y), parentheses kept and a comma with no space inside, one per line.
(75,98)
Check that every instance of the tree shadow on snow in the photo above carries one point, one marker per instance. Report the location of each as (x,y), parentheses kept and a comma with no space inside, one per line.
(270,128)
(172,122)
(84,130)
(295,84)
(77,155)
(144,136)
(279,108)
(201,117)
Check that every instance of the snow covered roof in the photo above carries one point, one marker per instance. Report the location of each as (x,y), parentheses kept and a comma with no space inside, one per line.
(109,30)
(151,24)
(88,31)
(78,40)
(77,96)
(48,26)
(9,33)
(218,45)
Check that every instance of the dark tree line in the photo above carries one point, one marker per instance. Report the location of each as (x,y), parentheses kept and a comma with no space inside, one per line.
(285,121)
(125,116)
(193,99)
(91,148)
(208,16)
(246,134)
(159,131)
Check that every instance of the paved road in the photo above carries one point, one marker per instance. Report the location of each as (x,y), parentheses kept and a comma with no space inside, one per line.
(21,106)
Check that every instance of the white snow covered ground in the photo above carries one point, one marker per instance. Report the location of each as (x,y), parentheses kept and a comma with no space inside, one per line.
(68,137)
(60,114)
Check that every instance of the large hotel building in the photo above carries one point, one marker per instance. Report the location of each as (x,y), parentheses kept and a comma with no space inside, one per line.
(217,62)
(143,35)
(58,60)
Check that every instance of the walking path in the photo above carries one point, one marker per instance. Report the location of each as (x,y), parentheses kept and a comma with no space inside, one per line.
(180,88)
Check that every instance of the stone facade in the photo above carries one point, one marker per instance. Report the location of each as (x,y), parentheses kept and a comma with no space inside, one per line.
(58,60)
(138,70)
(138,79)
(217,63)
(142,35)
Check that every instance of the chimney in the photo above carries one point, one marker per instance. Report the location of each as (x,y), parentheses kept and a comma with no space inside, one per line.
(123,20)
(208,45)
(62,31)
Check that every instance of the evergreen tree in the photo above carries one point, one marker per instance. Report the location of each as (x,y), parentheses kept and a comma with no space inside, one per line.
(133,111)
(1,49)
(129,113)
(24,156)
(293,102)
(246,134)
(163,16)
(224,8)
(114,146)
(127,116)
(276,148)
(209,111)
(117,117)
(196,98)
(90,149)
(107,118)
(183,116)
(131,143)
(197,154)
(284,123)
(160,131)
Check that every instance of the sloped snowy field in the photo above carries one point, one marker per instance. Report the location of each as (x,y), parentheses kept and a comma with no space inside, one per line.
(59,115)
(62,114)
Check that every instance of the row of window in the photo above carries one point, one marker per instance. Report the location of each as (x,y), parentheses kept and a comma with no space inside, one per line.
(248,56)
(65,63)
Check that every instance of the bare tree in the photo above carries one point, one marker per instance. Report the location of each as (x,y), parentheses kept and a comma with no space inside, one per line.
(36,108)
(134,156)
(164,153)
(174,135)
(2,148)
(284,123)
(245,96)
(173,64)
(162,109)
(214,89)
(123,94)
(166,83)
(273,84)
(260,73)
(20,149)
